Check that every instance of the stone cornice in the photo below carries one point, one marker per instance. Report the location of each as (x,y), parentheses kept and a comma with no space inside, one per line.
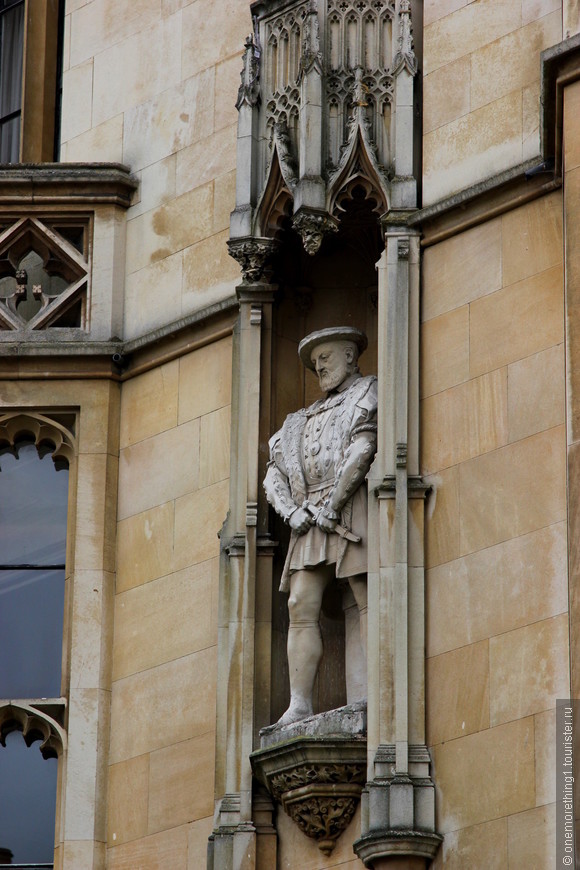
(560,65)
(60,183)
(483,201)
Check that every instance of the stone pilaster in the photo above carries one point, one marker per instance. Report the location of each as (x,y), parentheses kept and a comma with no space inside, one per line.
(246,562)
(398,820)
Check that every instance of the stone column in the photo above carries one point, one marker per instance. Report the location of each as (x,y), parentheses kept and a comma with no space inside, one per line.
(398,819)
(246,563)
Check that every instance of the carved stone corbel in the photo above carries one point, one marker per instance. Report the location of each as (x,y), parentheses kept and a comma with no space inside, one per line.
(253,255)
(312,227)
(316,776)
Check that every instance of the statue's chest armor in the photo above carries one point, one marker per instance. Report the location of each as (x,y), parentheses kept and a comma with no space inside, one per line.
(321,447)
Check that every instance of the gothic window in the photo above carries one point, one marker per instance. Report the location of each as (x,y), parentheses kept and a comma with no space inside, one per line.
(11,56)
(33,523)
(30,74)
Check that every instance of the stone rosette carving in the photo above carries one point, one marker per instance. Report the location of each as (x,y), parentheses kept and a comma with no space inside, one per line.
(253,255)
(312,228)
(317,779)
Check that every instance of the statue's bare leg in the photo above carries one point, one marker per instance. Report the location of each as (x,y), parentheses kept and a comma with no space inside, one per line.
(356,639)
(304,639)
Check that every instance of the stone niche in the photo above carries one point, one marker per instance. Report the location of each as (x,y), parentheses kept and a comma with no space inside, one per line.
(316,769)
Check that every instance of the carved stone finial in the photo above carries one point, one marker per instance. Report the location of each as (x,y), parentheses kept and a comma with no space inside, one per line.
(312,227)
(253,256)
(405,57)
(311,55)
(249,90)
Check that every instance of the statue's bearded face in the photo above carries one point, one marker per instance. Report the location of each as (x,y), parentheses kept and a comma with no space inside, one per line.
(333,361)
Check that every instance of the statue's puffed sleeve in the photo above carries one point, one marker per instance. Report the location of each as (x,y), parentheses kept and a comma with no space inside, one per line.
(360,452)
(276,482)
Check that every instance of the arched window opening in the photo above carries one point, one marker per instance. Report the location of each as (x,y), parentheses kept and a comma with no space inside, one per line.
(33,514)
(33,522)
(27,804)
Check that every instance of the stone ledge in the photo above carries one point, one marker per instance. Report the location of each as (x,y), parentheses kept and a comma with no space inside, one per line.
(347,721)
(73,183)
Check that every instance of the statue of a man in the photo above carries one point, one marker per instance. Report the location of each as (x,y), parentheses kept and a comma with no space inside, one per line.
(316,482)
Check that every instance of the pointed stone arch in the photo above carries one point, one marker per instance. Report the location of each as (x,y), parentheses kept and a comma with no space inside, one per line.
(358,166)
(276,201)
(35,723)
(49,435)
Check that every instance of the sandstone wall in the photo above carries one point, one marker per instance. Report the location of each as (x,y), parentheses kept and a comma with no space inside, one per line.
(153,84)
(481,66)
(494,448)
(173,492)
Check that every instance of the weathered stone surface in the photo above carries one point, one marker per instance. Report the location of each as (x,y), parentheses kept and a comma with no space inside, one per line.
(350,720)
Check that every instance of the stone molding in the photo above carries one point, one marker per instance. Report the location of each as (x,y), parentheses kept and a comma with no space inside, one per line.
(560,66)
(62,215)
(397,844)
(43,183)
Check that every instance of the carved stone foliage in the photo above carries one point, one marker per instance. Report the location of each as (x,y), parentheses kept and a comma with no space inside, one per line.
(43,275)
(317,780)
(253,255)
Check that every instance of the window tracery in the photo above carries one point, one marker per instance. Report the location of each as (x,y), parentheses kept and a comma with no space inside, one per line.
(43,276)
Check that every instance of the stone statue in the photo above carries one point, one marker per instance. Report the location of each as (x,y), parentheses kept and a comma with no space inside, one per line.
(316,482)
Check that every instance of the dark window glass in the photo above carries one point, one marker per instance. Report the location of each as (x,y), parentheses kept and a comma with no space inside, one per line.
(27,802)
(33,511)
(11,62)
(58,98)
(31,611)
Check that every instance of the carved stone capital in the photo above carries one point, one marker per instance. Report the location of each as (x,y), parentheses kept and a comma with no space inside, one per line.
(312,227)
(253,255)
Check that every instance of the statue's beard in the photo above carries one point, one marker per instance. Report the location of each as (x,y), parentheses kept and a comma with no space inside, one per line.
(331,380)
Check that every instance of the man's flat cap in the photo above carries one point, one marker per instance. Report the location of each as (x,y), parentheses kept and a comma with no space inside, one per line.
(332,333)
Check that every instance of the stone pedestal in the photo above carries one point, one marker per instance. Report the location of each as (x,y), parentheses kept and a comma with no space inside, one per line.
(316,769)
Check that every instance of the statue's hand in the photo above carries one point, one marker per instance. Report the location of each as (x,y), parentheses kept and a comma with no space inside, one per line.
(325,523)
(300,521)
